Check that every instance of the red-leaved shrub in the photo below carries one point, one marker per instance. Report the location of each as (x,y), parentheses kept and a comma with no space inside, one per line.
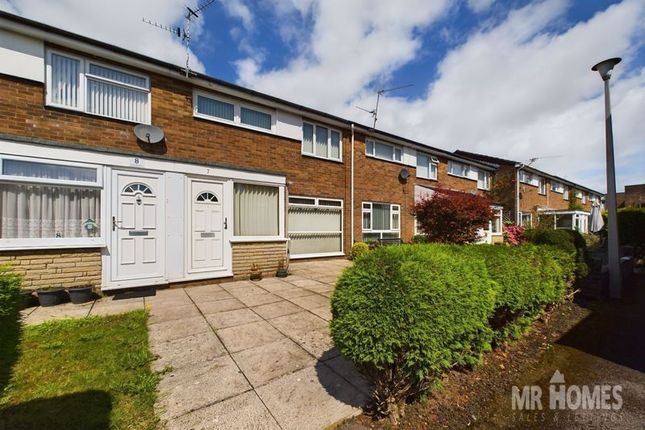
(452,216)
(514,234)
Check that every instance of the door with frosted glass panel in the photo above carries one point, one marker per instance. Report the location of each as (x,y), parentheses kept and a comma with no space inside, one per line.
(207,222)
(137,227)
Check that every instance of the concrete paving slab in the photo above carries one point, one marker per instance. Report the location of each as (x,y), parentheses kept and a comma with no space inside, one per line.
(301,322)
(159,312)
(242,412)
(108,306)
(259,299)
(317,342)
(213,307)
(312,398)
(272,287)
(174,297)
(311,302)
(277,309)
(176,329)
(194,387)
(232,318)
(246,291)
(246,336)
(301,283)
(205,296)
(323,312)
(266,362)
(348,371)
(64,311)
(190,350)
(292,292)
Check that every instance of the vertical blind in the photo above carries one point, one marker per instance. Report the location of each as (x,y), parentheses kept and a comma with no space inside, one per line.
(307,138)
(65,85)
(380,216)
(334,150)
(255,210)
(43,211)
(117,101)
(315,230)
(216,108)
(321,141)
(255,118)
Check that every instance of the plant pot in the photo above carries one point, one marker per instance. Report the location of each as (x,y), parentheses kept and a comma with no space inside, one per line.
(281,273)
(51,297)
(81,295)
(28,299)
(256,276)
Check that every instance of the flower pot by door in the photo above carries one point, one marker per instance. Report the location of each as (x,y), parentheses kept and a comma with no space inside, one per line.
(51,297)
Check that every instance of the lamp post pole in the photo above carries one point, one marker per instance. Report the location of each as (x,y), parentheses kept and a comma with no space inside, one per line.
(615,279)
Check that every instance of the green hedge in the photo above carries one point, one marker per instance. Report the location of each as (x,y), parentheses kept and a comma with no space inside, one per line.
(631,227)
(405,314)
(10,303)
(570,241)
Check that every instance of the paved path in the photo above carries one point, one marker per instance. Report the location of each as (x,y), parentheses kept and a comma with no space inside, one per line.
(255,355)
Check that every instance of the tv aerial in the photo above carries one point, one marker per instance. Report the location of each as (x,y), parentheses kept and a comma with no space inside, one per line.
(183,32)
(534,159)
(379,93)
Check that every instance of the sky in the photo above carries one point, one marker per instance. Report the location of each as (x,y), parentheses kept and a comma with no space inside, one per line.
(508,78)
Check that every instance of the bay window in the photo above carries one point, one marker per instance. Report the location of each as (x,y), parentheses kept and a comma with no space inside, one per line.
(49,203)
(383,151)
(321,142)
(458,169)
(427,166)
(381,221)
(256,210)
(81,84)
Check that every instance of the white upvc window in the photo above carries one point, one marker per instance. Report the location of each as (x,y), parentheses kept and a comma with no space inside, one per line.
(315,226)
(95,88)
(579,195)
(496,222)
(483,179)
(541,185)
(584,198)
(427,166)
(525,177)
(557,187)
(321,142)
(381,221)
(384,151)
(234,112)
(526,219)
(458,169)
(49,203)
(256,210)
(565,193)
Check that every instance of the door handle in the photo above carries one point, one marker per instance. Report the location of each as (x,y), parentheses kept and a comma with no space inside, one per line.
(225,223)
(115,224)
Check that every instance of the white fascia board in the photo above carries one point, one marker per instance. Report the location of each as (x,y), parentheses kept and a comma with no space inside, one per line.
(89,155)
(22,56)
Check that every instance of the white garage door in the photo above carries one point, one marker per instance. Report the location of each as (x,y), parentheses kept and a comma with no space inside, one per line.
(315,227)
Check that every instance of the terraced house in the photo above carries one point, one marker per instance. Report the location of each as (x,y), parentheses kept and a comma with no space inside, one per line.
(240,180)
(536,194)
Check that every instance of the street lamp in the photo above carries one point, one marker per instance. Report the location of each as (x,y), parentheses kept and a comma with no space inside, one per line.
(605,68)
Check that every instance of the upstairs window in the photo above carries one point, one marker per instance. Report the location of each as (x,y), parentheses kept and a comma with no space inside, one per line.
(565,193)
(87,86)
(541,185)
(321,142)
(222,109)
(557,187)
(483,180)
(458,169)
(383,151)
(427,166)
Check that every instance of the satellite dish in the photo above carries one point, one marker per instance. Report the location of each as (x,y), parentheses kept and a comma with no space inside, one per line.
(148,133)
(404,174)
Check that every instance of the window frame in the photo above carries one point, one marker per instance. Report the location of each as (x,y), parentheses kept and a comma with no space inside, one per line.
(487,180)
(313,154)
(84,75)
(7,244)
(237,111)
(281,215)
(394,149)
(565,192)
(392,213)
(522,215)
(433,161)
(542,185)
(557,187)
(467,166)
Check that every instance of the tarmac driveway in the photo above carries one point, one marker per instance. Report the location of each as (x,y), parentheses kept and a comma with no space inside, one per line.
(253,354)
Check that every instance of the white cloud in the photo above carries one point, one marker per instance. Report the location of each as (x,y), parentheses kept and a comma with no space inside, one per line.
(516,89)
(118,22)
(480,5)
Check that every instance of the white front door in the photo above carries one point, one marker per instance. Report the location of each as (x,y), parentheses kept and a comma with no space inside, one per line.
(207,225)
(137,226)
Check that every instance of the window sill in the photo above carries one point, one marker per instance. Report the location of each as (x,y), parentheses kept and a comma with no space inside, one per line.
(374,157)
(51,243)
(427,179)
(251,239)
(304,154)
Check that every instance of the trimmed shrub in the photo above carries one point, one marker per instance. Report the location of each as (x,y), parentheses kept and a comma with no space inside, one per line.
(570,241)
(9,292)
(358,249)
(405,314)
(10,303)
(631,227)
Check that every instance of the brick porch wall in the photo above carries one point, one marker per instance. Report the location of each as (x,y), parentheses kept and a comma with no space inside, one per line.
(266,255)
(56,268)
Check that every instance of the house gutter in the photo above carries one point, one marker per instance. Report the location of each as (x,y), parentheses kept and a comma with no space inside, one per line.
(351,196)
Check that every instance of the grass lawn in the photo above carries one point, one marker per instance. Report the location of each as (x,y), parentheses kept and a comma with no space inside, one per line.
(90,373)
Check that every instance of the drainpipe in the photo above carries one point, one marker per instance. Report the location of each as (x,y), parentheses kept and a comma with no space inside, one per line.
(518,221)
(351,197)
